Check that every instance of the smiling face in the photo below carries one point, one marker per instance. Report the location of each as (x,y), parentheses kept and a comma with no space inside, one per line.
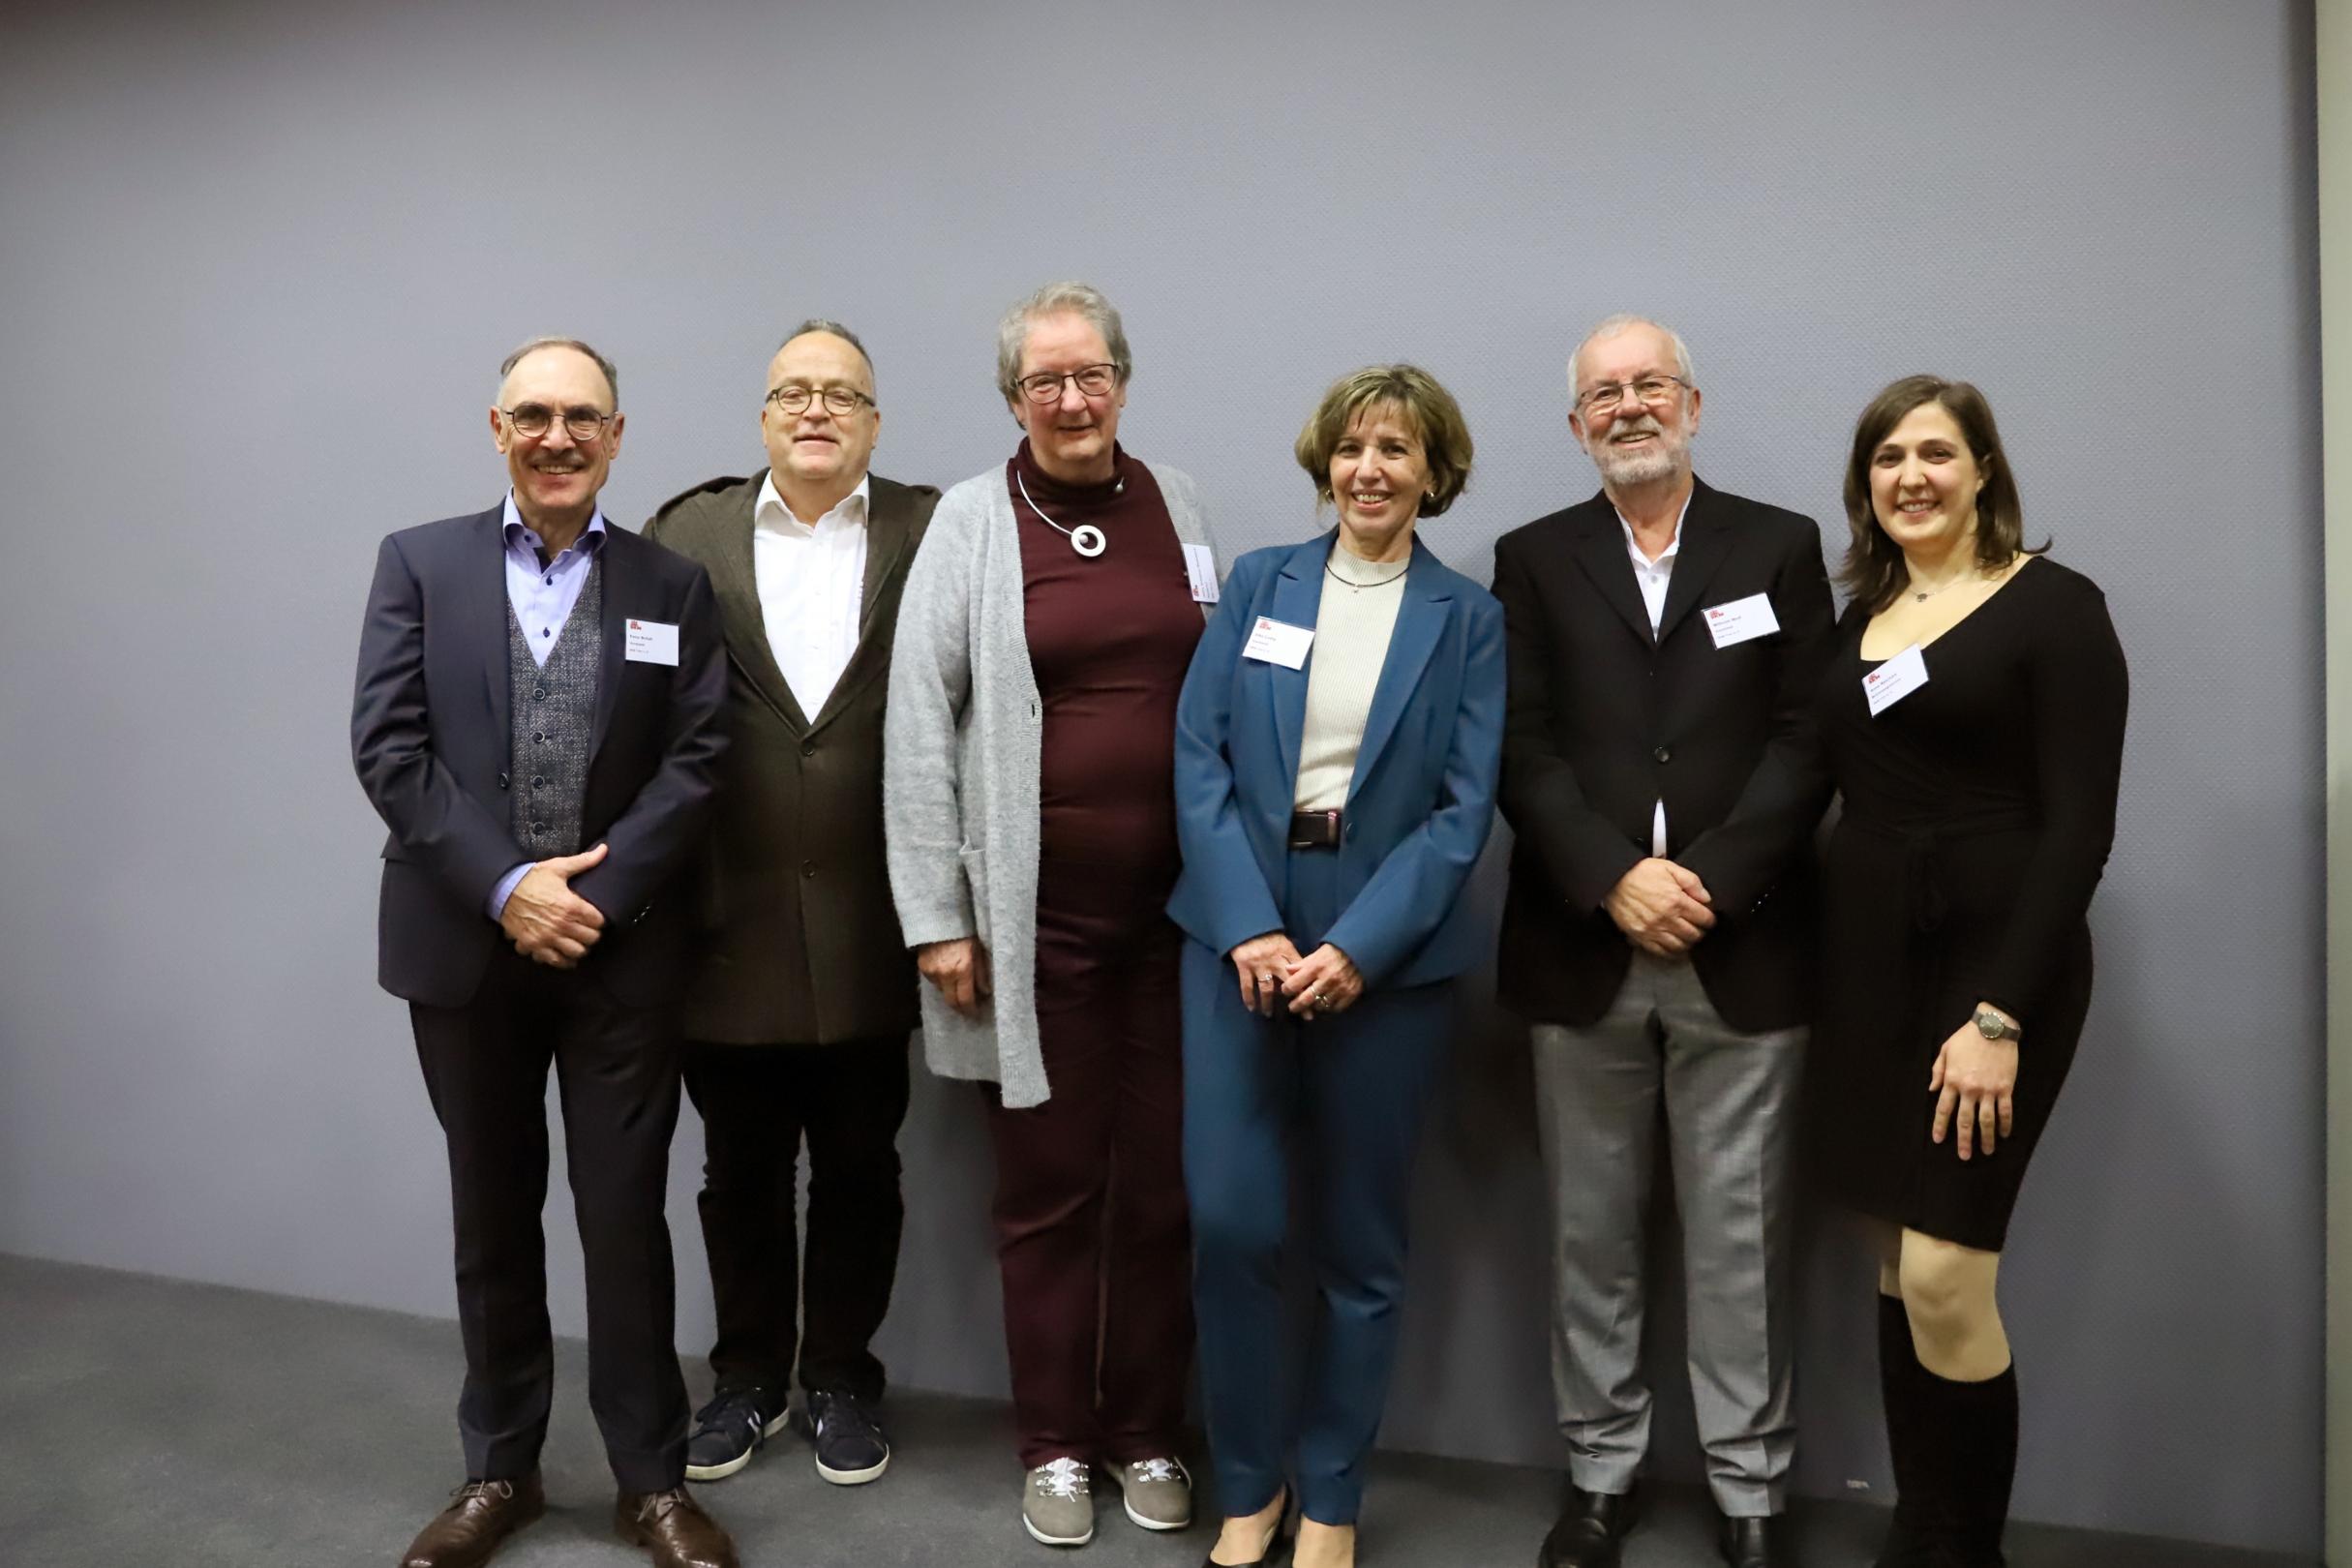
(1379,473)
(1924,481)
(1071,436)
(1635,442)
(816,451)
(556,477)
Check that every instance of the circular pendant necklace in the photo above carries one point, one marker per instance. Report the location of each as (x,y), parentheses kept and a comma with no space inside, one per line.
(1086,539)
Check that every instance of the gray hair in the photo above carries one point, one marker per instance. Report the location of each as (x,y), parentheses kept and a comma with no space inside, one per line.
(532,346)
(1054,299)
(1610,326)
(825,324)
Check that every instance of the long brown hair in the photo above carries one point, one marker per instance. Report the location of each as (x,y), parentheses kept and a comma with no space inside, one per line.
(1873,572)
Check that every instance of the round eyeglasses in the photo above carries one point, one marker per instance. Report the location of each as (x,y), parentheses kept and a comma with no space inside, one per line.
(532,420)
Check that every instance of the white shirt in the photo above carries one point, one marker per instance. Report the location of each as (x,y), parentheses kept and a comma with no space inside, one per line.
(1352,625)
(1652,578)
(811,578)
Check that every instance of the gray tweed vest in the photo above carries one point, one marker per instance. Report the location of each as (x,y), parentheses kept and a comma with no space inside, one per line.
(554,712)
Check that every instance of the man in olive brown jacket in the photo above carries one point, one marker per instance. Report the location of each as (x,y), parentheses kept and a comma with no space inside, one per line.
(798,1018)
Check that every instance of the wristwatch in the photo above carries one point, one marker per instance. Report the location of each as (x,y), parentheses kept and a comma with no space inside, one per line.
(1993,1026)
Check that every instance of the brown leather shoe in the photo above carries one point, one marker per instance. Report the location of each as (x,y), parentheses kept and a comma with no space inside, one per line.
(480,1515)
(672,1526)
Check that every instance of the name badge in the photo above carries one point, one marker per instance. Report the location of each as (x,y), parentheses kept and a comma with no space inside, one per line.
(1742,620)
(652,641)
(1895,679)
(1278,642)
(1200,571)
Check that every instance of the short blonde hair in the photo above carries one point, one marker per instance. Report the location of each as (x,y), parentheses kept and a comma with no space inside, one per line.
(1431,410)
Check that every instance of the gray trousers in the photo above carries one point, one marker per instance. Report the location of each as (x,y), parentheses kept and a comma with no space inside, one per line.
(1730,1102)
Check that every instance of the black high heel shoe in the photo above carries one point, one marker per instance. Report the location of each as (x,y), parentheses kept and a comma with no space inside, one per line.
(1286,1533)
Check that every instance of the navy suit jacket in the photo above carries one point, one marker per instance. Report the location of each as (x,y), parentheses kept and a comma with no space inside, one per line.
(431,733)
(1422,800)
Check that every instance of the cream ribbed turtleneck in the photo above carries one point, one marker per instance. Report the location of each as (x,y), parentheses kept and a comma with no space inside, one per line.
(1351,631)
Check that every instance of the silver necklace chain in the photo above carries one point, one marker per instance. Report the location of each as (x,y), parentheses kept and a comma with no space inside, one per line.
(1086,539)
(1353,583)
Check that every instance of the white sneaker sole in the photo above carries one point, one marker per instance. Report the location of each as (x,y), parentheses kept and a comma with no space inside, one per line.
(854,1478)
(1043,1539)
(1184,1523)
(720,1472)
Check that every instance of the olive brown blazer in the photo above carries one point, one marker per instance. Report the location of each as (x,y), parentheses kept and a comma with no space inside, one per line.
(803,944)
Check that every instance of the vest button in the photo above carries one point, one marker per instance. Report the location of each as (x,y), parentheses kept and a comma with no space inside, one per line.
(537,783)
(538,737)
(537,692)
(538,827)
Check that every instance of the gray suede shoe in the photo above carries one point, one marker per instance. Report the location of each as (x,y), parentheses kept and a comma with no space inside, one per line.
(1058,1505)
(1158,1494)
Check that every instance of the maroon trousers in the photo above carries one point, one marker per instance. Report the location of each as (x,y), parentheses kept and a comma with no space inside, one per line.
(1091,1228)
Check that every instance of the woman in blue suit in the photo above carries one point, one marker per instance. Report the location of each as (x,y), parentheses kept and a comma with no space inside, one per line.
(1336,746)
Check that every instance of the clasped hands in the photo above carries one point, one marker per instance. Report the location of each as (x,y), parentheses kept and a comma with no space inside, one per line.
(1272,973)
(1661,907)
(547,921)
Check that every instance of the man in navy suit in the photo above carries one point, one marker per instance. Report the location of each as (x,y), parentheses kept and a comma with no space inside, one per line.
(536,722)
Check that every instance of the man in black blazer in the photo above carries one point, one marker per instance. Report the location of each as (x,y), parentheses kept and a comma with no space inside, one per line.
(1662,778)
(536,720)
(800,1011)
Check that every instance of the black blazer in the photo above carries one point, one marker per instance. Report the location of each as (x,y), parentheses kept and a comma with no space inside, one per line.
(430,732)
(804,944)
(1604,722)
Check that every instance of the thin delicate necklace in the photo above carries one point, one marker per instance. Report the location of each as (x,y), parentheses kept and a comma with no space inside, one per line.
(1382,582)
(1086,539)
(1964,577)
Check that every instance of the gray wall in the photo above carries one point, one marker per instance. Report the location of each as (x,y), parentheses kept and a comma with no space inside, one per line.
(257,265)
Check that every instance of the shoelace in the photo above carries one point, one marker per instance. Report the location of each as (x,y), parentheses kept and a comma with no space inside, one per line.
(736,1410)
(1063,1478)
(1160,1469)
(503,1491)
(656,1504)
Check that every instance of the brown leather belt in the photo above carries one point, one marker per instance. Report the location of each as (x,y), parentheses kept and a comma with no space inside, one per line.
(1315,830)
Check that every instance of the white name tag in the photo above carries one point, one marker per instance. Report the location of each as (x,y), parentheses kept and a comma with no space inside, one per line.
(652,641)
(1278,642)
(1742,619)
(1895,679)
(1200,568)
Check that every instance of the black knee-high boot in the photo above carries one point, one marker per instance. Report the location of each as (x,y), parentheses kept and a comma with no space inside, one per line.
(1899,1375)
(1972,1432)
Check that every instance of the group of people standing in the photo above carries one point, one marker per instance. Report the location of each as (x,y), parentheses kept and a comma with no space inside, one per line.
(1168,853)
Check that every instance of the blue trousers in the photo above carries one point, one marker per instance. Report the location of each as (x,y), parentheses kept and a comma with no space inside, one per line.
(1347,1093)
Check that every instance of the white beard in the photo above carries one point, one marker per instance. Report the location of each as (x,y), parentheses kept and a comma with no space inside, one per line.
(1661,459)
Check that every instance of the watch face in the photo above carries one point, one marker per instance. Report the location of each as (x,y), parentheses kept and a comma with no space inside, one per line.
(1990,1026)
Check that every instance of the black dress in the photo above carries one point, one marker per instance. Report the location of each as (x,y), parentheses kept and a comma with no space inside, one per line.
(1978,811)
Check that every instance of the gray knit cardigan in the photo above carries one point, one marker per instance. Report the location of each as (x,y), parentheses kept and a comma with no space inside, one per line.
(960,741)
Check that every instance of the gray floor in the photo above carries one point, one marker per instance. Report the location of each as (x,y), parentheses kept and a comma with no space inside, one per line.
(153,1421)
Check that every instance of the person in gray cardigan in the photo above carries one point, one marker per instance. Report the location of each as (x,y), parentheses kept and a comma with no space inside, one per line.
(1030,818)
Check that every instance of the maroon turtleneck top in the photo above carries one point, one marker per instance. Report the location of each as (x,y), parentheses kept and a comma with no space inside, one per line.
(1109,640)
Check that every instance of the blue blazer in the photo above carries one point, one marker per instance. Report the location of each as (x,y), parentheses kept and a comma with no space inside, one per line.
(1423,795)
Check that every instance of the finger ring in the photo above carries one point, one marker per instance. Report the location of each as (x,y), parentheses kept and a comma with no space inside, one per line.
(1322,1000)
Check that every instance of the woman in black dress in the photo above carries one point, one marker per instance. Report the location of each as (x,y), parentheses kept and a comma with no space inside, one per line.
(1973,720)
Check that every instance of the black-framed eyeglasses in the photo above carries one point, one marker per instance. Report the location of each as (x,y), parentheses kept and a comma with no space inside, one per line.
(1656,391)
(533,420)
(840,401)
(1046,386)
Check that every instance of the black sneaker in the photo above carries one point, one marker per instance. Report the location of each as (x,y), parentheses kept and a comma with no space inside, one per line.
(851,1449)
(730,1430)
